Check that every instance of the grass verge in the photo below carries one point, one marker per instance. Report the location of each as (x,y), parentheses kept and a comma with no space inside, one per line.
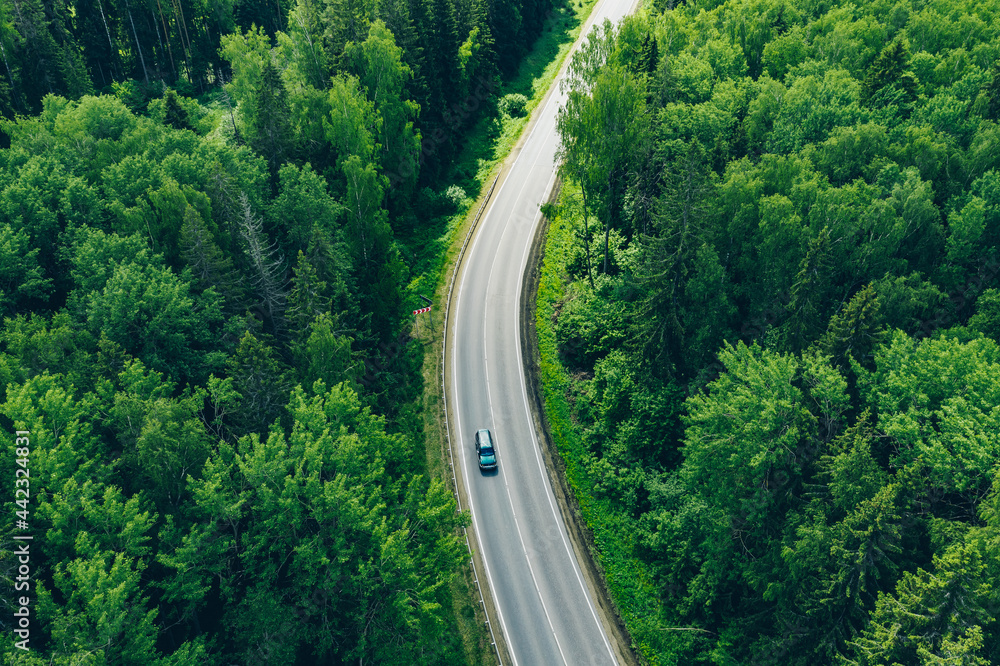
(628,579)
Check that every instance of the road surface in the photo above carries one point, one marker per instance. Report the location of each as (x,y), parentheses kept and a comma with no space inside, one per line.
(544,607)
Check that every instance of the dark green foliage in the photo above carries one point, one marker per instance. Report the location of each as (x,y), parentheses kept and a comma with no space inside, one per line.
(165,291)
(987,317)
(512,105)
(176,116)
(137,50)
(21,277)
(369,239)
(260,379)
(888,79)
(290,494)
(268,114)
(210,268)
(591,324)
(856,331)
(649,58)
(807,305)
(308,298)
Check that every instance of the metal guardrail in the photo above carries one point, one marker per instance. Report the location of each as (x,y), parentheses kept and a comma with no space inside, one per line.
(447,423)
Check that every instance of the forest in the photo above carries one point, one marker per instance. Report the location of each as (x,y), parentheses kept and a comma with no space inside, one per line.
(212,220)
(769,324)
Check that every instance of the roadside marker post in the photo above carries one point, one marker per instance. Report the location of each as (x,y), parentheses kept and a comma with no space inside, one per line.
(429,320)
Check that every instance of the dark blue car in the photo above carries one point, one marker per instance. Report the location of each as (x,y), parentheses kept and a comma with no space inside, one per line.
(484,447)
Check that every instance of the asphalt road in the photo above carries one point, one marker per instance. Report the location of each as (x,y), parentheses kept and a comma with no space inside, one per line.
(545,609)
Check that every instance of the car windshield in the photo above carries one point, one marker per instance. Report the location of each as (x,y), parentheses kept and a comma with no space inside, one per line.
(486,450)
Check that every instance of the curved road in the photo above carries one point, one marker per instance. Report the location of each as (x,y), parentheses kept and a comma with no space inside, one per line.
(544,606)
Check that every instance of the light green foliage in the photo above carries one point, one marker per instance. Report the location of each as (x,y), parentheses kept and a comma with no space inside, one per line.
(850,152)
(325,511)
(85,520)
(103,613)
(247,53)
(987,317)
(965,230)
(602,126)
(303,204)
(785,52)
(691,80)
(512,105)
(37,344)
(92,120)
(147,242)
(854,476)
(61,429)
(34,201)
(352,126)
(95,254)
(934,615)
(150,312)
(812,107)
(378,64)
(938,401)
(163,437)
(326,354)
(301,48)
(736,443)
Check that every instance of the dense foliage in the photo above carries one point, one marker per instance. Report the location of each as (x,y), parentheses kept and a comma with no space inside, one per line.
(135,49)
(203,322)
(158,353)
(782,319)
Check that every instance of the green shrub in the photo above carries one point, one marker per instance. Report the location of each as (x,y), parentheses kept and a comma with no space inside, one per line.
(513,105)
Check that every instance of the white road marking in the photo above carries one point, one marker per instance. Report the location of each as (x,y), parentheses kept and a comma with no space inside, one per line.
(538,457)
(489,399)
(472,511)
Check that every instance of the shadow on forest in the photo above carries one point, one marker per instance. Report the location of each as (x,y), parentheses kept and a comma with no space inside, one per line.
(426,240)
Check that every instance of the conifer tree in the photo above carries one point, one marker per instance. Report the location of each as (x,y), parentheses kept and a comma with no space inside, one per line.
(889,79)
(269,119)
(265,266)
(807,305)
(260,379)
(308,298)
(209,266)
(176,116)
(854,332)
